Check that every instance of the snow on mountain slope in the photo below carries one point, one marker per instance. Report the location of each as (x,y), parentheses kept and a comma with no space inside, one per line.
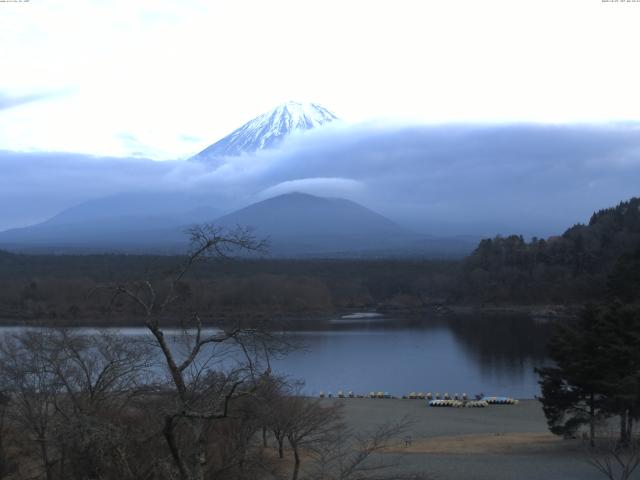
(267,130)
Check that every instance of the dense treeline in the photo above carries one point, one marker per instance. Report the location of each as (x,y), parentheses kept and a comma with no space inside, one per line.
(64,288)
(567,269)
(570,268)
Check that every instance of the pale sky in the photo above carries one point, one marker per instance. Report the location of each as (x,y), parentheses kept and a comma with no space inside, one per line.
(163,79)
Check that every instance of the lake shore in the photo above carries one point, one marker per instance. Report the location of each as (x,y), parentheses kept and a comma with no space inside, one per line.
(500,442)
(305,320)
(538,311)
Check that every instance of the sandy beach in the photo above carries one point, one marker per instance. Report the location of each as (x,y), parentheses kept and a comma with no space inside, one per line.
(500,442)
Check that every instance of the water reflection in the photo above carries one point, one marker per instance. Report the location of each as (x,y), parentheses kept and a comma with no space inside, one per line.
(470,354)
(502,343)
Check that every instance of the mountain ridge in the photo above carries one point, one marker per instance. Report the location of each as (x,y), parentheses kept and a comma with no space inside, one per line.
(296,224)
(268,130)
(310,214)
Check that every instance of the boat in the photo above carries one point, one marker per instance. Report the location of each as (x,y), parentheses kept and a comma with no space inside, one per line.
(500,400)
(446,403)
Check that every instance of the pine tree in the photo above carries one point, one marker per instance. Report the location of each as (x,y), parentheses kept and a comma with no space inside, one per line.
(597,372)
(572,390)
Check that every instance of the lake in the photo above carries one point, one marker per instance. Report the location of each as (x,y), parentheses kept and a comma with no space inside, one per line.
(495,355)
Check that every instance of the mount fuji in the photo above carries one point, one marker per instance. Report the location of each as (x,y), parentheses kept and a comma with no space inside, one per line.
(268,130)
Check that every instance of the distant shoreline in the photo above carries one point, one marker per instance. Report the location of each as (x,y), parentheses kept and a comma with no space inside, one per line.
(286,320)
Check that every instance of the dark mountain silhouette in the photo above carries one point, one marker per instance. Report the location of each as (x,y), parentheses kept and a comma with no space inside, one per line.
(299,224)
(295,224)
(303,214)
(129,222)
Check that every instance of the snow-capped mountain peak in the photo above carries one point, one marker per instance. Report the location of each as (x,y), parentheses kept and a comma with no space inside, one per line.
(269,129)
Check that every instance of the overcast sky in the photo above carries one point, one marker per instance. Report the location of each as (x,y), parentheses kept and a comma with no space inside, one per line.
(464,179)
(163,79)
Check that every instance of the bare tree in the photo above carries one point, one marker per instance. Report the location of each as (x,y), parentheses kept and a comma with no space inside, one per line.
(97,406)
(203,386)
(97,370)
(271,389)
(33,390)
(69,390)
(309,424)
(100,375)
(7,465)
(349,455)
(278,420)
(614,459)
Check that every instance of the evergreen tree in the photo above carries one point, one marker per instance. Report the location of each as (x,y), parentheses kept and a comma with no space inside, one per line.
(571,391)
(621,384)
(624,281)
(597,371)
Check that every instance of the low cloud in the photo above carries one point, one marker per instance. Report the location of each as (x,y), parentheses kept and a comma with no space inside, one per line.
(533,179)
(529,178)
(10,101)
(36,186)
(322,186)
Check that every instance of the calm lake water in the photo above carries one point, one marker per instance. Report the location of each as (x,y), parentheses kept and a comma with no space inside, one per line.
(494,355)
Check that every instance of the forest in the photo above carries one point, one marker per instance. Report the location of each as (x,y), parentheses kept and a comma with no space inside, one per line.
(505,270)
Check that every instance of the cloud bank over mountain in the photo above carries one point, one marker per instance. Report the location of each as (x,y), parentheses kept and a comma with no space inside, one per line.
(481,179)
